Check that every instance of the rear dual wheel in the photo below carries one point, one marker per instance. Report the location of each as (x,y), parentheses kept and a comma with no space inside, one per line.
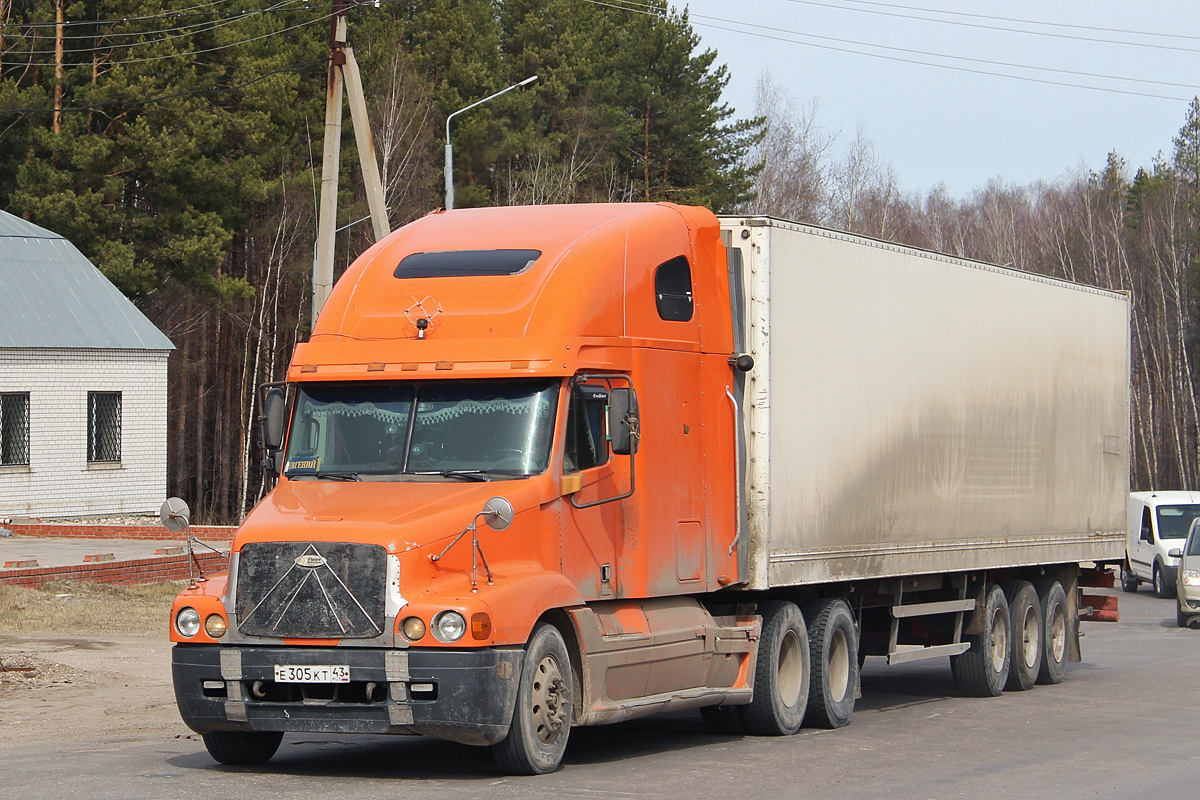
(833,646)
(781,672)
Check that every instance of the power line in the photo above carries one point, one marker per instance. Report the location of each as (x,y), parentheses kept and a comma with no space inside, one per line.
(117,19)
(1027,21)
(996,27)
(225,90)
(174,33)
(780,35)
(188,53)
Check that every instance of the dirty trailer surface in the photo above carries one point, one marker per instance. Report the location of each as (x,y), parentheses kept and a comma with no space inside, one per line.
(98,719)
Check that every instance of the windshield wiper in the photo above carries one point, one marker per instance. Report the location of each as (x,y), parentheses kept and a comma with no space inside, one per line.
(333,476)
(461,474)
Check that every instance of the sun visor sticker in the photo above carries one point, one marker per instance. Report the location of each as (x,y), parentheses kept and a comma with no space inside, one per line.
(300,466)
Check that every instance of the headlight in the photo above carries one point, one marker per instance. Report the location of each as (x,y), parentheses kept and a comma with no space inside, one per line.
(413,629)
(187,622)
(215,626)
(449,626)
(1191,577)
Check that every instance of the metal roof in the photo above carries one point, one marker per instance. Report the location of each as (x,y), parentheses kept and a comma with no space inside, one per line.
(54,297)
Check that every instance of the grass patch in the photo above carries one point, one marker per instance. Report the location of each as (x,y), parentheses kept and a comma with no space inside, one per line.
(78,607)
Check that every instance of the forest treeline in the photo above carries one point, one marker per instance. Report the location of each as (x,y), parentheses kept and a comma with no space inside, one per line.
(178,146)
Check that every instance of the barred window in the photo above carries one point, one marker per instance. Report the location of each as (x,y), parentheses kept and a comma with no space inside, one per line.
(104,427)
(14,429)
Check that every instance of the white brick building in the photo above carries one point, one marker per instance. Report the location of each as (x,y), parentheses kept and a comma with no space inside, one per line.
(83,385)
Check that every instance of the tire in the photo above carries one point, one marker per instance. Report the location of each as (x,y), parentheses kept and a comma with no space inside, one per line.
(1027,631)
(833,654)
(544,708)
(1181,619)
(1057,631)
(781,672)
(982,670)
(242,747)
(1161,589)
(1129,581)
(727,720)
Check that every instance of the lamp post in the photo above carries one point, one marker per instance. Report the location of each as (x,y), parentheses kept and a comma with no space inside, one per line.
(449,147)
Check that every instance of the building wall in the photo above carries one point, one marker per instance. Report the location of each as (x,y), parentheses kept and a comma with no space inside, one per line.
(59,481)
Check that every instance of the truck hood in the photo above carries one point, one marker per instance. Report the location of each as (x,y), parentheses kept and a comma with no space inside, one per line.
(398,515)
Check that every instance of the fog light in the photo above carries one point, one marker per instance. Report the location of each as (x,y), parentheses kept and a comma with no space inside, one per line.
(413,629)
(215,626)
(187,622)
(481,626)
(449,626)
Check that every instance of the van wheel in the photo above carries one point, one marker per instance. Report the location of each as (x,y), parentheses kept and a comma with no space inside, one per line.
(833,650)
(1161,589)
(1129,581)
(1056,631)
(1027,629)
(242,747)
(781,672)
(544,709)
(982,670)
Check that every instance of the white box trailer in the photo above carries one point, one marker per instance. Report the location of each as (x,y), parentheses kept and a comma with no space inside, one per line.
(913,413)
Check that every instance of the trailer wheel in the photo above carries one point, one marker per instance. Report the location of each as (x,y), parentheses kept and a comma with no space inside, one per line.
(1027,634)
(1161,587)
(983,669)
(1129,581)
(728,720)
(1057,631)
(833,650)
(242,747)
(780,672)
(544,709)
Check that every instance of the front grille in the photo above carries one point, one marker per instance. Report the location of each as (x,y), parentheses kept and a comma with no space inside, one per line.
(311,590)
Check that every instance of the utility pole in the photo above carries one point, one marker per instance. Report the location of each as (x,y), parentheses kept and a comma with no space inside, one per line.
(343,73)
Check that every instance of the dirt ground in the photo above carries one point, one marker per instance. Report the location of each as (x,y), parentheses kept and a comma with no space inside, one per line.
(86,662)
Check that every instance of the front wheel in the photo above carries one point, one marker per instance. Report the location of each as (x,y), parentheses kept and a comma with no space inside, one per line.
(1161,587)
(242,747)
(544,709)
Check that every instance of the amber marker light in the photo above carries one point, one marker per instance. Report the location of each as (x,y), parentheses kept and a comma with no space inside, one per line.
(481,626)
(412,628)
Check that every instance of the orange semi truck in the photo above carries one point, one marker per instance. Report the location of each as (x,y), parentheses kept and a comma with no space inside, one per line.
(553,466)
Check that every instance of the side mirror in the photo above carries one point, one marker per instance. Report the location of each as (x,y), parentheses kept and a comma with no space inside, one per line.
(624,425)
(175,515)
(497,513)
(274,415)
(1175,552)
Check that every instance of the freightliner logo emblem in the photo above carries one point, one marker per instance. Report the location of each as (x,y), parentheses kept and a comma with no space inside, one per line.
(310,561)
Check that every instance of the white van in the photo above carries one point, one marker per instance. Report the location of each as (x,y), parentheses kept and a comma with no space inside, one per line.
(1158,522)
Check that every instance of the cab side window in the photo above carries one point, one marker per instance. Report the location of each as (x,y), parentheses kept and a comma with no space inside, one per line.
(673,290)
(587,439)
(1147,528)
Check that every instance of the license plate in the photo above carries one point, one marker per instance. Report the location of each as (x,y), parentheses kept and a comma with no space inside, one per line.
(309,673)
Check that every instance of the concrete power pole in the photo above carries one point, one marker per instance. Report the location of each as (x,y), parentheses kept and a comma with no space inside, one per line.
(343,72)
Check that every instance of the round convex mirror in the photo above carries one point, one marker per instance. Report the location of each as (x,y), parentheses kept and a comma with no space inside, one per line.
(174,514)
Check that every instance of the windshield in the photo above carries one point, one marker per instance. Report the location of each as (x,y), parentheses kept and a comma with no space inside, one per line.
(1174,521)
(454,429)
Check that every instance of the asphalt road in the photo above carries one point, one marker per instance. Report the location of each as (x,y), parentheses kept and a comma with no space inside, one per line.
(1123,724)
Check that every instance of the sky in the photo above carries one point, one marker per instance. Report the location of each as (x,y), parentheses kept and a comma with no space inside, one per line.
(965,126)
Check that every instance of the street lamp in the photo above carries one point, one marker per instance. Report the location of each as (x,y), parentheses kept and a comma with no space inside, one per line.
(450,149)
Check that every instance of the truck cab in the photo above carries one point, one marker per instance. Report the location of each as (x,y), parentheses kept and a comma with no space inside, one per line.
(1158,523)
